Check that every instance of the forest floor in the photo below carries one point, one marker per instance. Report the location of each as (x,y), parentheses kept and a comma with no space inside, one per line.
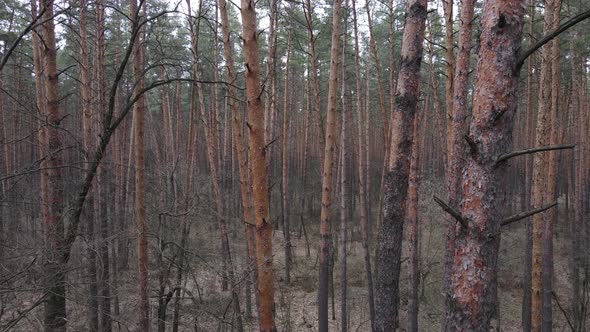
(302,302)
(207,307)
(297,303)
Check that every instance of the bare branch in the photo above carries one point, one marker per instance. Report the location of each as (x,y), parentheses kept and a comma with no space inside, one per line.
(560,29)
(29,27)
(105,137)
(271,142)
(567,318)
(507,156)
(456,214)
(24,313)
(473,150)
(522,215)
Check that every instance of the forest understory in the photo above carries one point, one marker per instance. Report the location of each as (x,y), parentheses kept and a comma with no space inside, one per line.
(206,307)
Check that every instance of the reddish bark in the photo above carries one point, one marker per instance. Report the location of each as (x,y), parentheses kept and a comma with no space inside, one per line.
(52,200)
(540,183)
(238,139)
(552,178)
(257,145)
(456,131)
(452,174)
(327,175)
(474,274)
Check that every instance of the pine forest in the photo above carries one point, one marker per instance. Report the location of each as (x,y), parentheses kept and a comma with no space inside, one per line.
(294,165)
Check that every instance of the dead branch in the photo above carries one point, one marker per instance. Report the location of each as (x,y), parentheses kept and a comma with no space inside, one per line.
(513,154)
(549,37)
(526,214)
(456,214)
(472,145)
(567,318)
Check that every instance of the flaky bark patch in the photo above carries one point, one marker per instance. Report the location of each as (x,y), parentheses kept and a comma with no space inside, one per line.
(473,294)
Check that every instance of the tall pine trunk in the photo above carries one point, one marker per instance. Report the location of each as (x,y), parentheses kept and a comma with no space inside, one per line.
(139,109)
(540,168)
(101,179)
(87,139)
(526,294)
(365,231)
(552,177)
(259,170)
(52,199)
(457,130)
(474,272)
(451,145)
(284,167)
(398,168)
(327,175)
(343,187)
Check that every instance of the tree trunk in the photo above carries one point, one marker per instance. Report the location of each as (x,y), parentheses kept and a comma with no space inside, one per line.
(474,274)
(119,220)
(241,149)
(414,228)
(396,181)
(380,84)
(526,294)
(87,139)
(227,263)
(552,177)
(139,110)
(315,77)
(52,200)
(362,175)
(305,159)
(270,105)
(451,145)
(456,132)
(540,168)
(330,146)
(449,65)
(343,186)
(101,182)
(258,163)
(284,168)
(577,251)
